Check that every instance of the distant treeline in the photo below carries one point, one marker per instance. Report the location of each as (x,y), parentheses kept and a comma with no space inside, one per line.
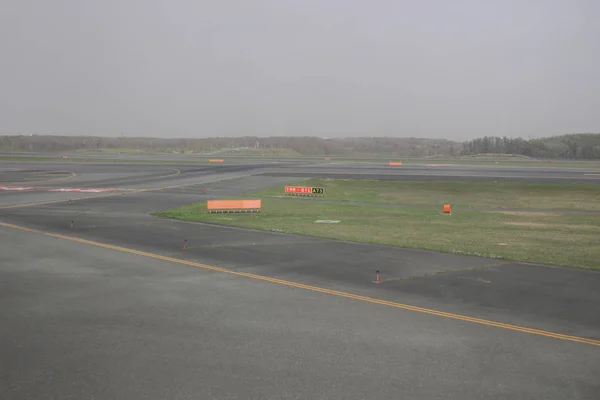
(581,146)
(301,145)
(575,146)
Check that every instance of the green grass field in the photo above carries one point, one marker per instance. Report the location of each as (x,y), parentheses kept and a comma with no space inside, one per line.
(285,155)
(111,151)
(512,163)
(553,238)
(548,237)
(259,152)
(82,159)
(576,196)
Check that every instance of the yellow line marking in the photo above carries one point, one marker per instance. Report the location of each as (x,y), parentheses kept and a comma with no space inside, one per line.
(448,271)
(41,203)
(450,176)
(119,193)
(166,176)
(214,246)
(318,289)
(73,175)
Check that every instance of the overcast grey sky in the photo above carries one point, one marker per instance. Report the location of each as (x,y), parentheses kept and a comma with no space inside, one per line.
(193,68)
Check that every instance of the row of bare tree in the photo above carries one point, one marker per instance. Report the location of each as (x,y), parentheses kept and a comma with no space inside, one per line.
(575,146)
(300,145)
(581,146)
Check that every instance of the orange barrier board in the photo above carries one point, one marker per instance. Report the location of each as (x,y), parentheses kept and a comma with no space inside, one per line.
(396,164)
(233,205)
(215,160)
(447,209)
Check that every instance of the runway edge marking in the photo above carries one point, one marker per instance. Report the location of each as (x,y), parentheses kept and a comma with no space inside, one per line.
(130,191)
(317,288)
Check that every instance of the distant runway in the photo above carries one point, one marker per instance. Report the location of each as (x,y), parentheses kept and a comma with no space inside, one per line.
(444,172)
(116,308)
(115,174)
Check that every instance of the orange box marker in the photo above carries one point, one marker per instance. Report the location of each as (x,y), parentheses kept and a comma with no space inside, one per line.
(233,205)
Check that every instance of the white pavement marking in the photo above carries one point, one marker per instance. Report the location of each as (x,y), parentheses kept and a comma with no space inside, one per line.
(15,188)
(82,190)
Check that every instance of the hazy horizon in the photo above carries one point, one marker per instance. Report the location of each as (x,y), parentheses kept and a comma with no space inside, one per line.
(192,69)
(108,136)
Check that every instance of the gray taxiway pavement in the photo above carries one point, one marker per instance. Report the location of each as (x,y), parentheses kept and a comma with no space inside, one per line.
(83,321)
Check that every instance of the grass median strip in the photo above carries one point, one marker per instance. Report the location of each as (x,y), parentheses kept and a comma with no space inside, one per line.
(553,238)
(575,196)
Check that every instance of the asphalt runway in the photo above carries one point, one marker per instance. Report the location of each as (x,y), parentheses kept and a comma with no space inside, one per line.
(116,308)
(441,172)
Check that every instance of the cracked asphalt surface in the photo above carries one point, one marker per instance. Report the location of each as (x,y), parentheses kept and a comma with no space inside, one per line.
(84,321)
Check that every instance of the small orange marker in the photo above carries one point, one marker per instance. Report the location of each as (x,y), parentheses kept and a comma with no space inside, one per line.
(447,209)
(377,276)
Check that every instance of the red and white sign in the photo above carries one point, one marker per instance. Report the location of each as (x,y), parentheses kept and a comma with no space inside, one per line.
(298,189)
(15,188)
(82,190)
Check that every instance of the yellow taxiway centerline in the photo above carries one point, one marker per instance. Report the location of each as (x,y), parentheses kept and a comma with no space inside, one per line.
(73,175)
(372,300)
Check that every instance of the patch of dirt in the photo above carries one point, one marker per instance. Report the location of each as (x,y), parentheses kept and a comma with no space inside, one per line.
(529,224)
(552,226)
(393,195)
(582,226)
(529,214)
